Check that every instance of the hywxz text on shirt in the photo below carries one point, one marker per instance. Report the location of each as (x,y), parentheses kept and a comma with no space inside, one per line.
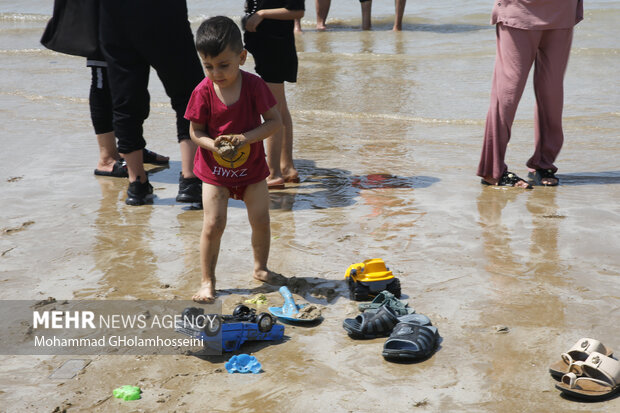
(229,173)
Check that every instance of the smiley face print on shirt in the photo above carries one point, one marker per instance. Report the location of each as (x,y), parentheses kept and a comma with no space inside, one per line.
(237,160)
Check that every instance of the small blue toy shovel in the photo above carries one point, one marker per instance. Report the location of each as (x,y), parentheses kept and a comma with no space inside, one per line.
(289,311)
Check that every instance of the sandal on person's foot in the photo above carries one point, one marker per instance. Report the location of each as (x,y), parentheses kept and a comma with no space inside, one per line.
(508,179)
(276,186)
(411,340)
(597,378)
(153,158)
(119,170)
(279,185)
(400,307)
(578,352)
(371,325)
(541,175)
(275,183)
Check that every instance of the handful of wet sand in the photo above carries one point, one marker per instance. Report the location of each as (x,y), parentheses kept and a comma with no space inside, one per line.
(309,312)
(226,149)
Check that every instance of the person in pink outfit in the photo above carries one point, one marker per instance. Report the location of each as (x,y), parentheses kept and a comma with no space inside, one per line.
(527,32)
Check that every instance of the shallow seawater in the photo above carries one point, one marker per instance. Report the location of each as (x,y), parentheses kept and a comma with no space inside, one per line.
(388,131)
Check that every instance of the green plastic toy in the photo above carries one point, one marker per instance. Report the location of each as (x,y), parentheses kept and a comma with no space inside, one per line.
(127,392)
(260,299)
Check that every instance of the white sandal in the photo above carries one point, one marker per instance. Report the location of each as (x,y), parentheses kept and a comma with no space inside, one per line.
(578,352)
(599,379)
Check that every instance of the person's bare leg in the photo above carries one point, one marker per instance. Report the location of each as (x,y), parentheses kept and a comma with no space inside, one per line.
(256,199)
(366,8)
(273,144)
(135,166)
(188,151)
(215,201)
(108,154)
(297,27)
(286,166)
(399,8)
(322,9)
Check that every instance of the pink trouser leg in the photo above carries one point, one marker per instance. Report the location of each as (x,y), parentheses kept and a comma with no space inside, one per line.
(516,51)
(550,66)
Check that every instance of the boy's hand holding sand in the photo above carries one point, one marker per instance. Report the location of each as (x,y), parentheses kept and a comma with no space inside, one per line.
(227,145)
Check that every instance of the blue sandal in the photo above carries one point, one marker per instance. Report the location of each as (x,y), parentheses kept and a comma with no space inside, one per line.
(400,307)
(411,340)
(371,325)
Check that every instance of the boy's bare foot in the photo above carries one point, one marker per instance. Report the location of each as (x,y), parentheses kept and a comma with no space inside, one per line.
(206,294)
(270,277)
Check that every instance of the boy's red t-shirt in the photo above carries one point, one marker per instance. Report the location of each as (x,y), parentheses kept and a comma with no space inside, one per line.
(205,107)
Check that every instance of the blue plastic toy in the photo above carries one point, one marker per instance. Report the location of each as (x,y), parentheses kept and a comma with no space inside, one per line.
(289,310)
(243,363)
(243,325)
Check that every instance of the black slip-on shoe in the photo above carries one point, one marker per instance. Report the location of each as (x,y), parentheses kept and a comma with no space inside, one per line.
(138,192)
(190,189)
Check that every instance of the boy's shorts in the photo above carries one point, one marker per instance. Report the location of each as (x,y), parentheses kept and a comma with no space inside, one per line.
(236,192)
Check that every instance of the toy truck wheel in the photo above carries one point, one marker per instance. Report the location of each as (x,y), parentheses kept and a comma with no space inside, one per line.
(190,315)
(358,292)
(241,311)
(394,287)
(213,325)
(361,293)
(264,322)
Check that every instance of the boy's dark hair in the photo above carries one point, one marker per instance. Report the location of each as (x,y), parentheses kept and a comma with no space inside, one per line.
(217,33)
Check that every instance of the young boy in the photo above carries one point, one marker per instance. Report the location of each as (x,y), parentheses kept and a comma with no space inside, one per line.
(225,113)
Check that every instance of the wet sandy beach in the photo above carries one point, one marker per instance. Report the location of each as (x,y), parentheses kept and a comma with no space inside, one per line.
(388,129)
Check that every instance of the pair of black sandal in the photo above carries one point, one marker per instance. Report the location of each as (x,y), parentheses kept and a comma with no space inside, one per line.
(119,169)
(411,336)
